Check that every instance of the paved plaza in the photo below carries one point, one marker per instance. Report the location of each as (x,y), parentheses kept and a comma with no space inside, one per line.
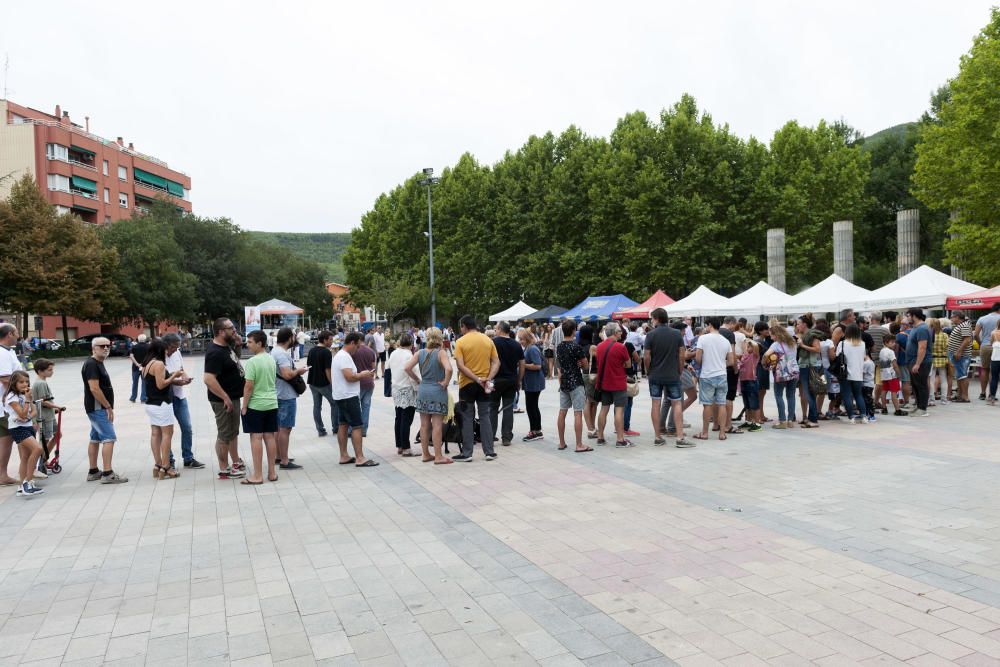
(847,545)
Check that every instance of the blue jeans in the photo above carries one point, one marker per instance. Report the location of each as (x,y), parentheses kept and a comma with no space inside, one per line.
(183,416)
(812,415)
(785,391)
(853,397)
(320,393)
(137,382)
(628,414)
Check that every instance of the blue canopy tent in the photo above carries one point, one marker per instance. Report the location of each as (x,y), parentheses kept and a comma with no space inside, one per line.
(595,308)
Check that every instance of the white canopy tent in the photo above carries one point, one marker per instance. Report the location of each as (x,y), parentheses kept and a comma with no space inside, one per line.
(830,295)
(922,286)
(696,304)
(516,312)
(761,299)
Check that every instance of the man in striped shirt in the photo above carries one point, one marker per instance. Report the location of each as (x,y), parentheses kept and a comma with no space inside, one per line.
(960,352)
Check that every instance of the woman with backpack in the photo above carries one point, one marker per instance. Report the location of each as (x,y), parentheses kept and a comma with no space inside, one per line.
(781,358)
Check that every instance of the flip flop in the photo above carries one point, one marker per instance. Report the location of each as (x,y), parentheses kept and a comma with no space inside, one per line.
(443,463)
(427,460)
(723,436)
(580,451)
(249,483)
(272,480)
(563,447)
(407,454)
(699,436)
(347,462)
(367,464)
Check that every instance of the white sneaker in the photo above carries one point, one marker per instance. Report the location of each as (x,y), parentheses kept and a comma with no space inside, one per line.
(40,475)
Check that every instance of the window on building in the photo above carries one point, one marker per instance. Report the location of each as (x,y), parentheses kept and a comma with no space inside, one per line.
(107,219)
(123,200)
(62,210)
(58,182)
(122,174)
(107,196)
(57,152)
(105,171)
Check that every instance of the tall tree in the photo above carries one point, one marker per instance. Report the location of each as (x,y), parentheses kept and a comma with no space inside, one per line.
(957,167)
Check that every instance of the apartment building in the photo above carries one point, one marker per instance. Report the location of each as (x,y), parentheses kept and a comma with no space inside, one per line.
(79,172)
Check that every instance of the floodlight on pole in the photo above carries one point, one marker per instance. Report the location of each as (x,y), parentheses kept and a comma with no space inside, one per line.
(429,181)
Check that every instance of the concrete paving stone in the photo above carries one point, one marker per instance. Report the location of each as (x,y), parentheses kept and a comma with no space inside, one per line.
(248,645)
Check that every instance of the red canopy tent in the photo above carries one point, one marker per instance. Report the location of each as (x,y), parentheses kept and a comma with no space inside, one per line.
(642,311)
(982,300)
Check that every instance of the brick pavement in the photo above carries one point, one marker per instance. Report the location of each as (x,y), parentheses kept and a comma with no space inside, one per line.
(855,545)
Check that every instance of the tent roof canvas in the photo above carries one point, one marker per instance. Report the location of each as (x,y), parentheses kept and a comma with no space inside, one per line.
(922,286)
(642,311)
(547,313)
(831,294)
(518,311)
(761,299)
(975,300)
(697,303)
(278,307)
(599,307)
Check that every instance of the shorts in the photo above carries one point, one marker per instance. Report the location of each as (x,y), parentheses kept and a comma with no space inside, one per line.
(226,423)
(548,354)
(878,376)
(732,384)
(47,429)
(751,399)
(985,355)
(616,398)
(961,365)
(4,430)
(22,433)
(287,407)
(891,386)
(381,357)
(160,415)
(904,373)
(763,378)
(260,421)
(575,398)
(712,391)
(349,410)
(672,389)
(687,380)
(101,430)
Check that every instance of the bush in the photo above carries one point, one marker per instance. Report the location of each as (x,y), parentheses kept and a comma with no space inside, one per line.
(63,353)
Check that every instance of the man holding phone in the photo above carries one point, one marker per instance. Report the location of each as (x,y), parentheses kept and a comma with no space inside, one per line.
(346,389)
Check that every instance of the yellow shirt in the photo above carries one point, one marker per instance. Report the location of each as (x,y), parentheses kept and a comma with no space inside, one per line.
(476,351)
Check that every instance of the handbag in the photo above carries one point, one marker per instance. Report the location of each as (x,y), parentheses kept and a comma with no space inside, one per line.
(817,381)
(631,387)
(298,384)
(590,378)
(838,367)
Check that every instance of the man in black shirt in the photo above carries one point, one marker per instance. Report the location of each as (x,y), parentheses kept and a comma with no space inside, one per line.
(138,355)
(224,380)
(99,404)
(320,361)
(665,357)
(507,380)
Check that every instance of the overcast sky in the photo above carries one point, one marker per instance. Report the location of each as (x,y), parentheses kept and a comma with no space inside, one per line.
(295,116)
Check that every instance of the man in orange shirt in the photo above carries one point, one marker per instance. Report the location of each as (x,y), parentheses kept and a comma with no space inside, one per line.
(478,363)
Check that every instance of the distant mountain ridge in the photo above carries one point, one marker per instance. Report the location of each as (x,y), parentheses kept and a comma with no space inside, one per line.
(894,131)
(326,249)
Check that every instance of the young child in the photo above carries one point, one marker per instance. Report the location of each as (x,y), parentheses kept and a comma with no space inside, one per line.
(749,386)
(868,386)
(20,412)
(889,369)
(47,414)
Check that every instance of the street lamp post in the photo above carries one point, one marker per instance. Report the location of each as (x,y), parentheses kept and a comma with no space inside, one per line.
(429,181)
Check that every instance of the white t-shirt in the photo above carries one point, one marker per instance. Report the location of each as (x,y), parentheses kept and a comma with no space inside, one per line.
(174,363)
(396,365)
(854,355)
(302,338)
(340,386)
(8,362)
(741,339)
(869,373)
(13,420)
(714,348)
(885,359)
(824,353)
(379,342)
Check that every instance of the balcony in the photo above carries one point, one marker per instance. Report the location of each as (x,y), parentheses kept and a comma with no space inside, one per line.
(77,163)
(82,193)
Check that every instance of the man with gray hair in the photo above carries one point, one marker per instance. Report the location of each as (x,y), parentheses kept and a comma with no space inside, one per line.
(878,332)
(8,364)
(99,404)
(137,354)
(611,385)
(182,413)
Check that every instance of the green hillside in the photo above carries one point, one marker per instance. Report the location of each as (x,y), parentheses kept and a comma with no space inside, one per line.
(894,131)
(325,249)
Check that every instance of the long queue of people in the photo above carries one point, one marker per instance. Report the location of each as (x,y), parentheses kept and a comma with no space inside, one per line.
(856,368)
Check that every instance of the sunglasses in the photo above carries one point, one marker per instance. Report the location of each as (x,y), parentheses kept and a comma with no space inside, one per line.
(104,347)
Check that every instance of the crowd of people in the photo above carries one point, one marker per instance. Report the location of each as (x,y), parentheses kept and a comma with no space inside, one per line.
(856,368)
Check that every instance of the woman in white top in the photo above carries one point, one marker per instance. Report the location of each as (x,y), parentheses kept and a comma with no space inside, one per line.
(994,364)
(404,393)
(853,349)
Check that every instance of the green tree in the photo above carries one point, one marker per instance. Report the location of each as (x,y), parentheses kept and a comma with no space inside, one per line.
(957,167)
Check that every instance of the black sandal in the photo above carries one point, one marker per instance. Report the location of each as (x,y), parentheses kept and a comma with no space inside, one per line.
(367,464)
